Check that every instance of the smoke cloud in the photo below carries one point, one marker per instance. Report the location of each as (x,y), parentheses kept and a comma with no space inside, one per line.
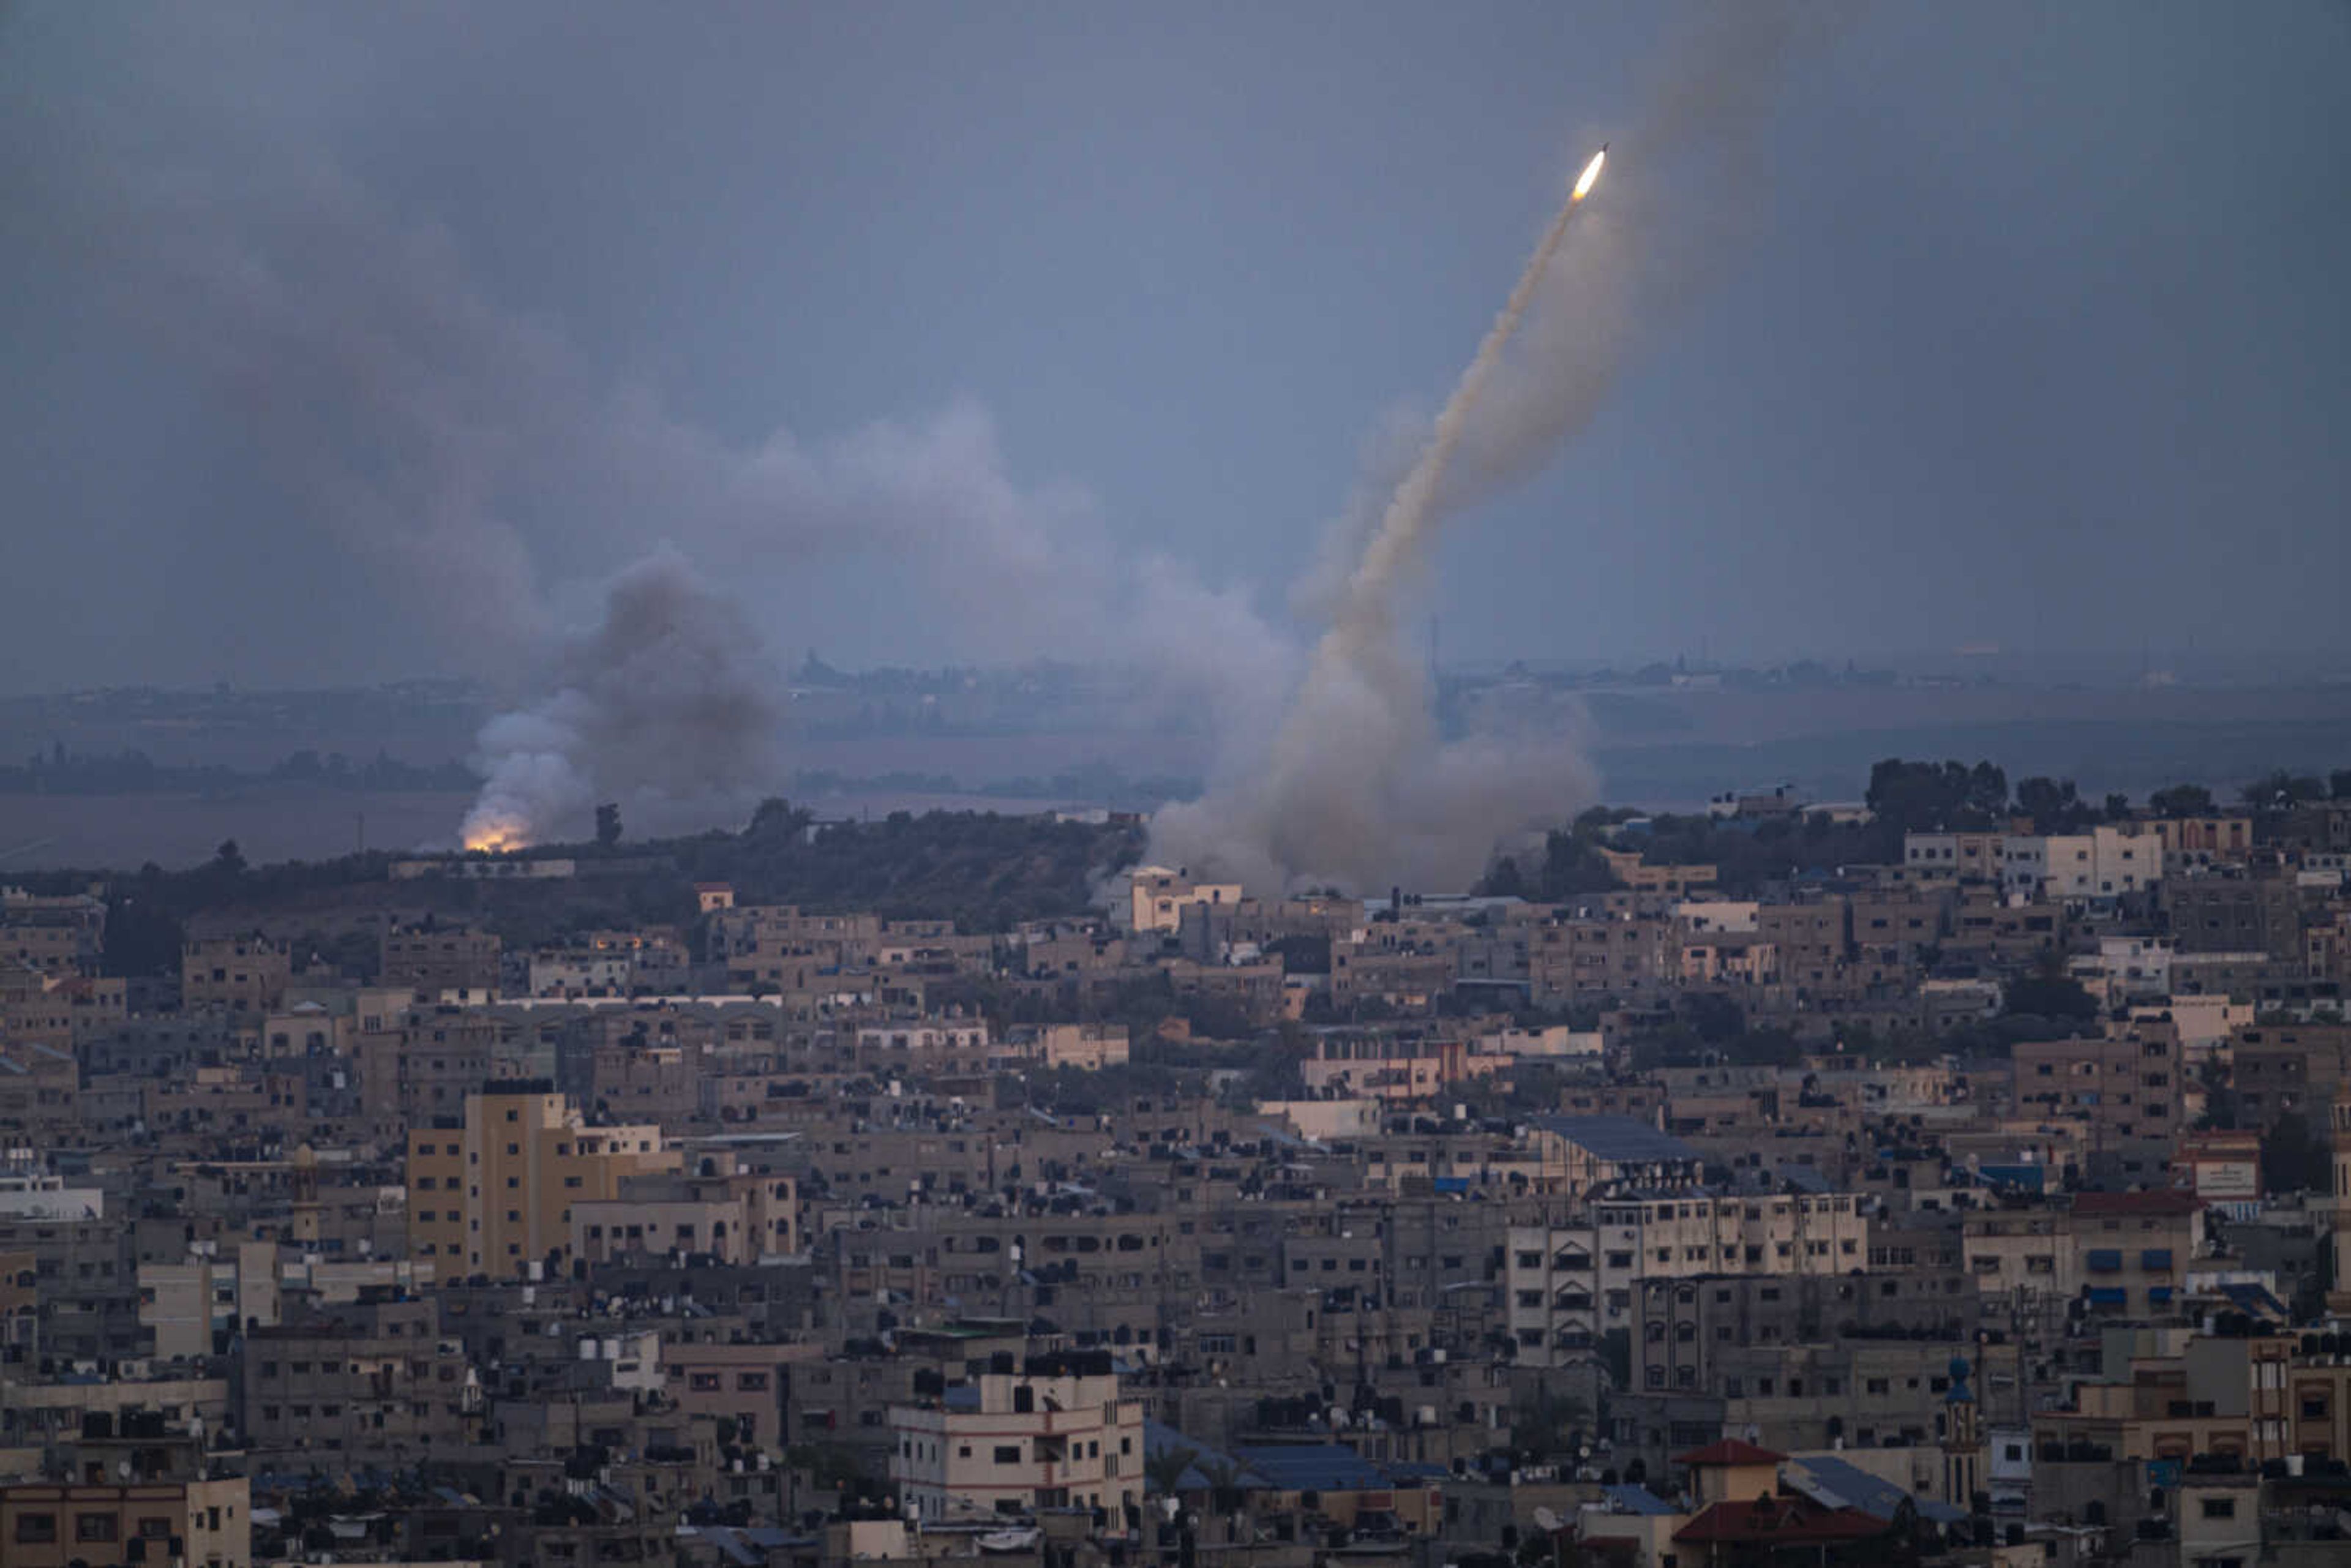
(1356,789)
(484,478)
(669,708)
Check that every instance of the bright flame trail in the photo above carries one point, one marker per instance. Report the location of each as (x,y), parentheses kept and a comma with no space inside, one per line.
(1358,654)
(1590,175)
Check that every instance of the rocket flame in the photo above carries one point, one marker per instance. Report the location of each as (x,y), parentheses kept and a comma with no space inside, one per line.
(1590,175)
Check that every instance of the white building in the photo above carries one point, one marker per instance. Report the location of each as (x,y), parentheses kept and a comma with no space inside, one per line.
(2106,862)
(2127,969)
(38,1197)
(1012,1445)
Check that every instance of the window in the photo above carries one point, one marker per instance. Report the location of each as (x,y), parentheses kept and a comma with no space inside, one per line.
(1008,1454)
(2220,1507)
(97,1527)
(37,1529)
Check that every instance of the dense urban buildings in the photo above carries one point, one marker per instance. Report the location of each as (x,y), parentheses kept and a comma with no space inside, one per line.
(1966,1204)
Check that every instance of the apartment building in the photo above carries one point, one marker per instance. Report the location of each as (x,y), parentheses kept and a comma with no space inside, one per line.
(1020,1443)
(242,974)
(494,1192)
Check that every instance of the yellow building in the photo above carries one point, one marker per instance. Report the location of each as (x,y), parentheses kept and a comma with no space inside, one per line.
(494,1195)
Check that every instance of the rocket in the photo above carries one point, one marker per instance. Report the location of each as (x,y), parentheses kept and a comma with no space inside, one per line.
(1584,181)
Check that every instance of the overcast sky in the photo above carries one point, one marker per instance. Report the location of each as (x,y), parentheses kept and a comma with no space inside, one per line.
(353,342)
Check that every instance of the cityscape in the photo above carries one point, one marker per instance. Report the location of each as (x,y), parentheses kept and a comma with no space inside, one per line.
(827,786)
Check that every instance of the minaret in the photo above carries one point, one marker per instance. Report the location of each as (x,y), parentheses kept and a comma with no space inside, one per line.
(1963,1454)
(2338,1204)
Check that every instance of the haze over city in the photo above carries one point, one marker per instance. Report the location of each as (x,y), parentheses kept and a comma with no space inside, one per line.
(355,347)
(1301,784)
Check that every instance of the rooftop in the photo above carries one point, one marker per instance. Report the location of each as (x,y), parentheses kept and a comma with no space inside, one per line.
(1617,1138)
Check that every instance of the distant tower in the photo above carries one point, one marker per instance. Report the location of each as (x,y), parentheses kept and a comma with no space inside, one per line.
(2338,1204)
(1963,1452)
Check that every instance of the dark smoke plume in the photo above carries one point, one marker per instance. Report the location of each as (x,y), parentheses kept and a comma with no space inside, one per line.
(669,707)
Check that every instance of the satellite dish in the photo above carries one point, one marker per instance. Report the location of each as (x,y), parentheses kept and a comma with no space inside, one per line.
(1546,1520)
(123,1469)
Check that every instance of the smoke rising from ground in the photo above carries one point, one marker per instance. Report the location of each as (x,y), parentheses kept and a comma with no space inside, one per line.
(485,479)
(668,708)
(478,477)
(1356,788)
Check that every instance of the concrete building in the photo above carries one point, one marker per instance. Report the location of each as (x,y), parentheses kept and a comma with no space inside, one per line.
(130,1489)
(493,1193)
(437,961)
(1157,896)
(242,974)
(1009,1444)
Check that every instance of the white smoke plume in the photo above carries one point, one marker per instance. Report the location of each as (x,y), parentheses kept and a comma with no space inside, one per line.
(668,709)
(482,474)
(1356,789)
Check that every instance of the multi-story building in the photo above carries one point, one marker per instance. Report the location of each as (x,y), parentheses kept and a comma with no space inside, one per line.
(1009,1444)
(434,961)
(1675,1235)
(494,1192)
(371,1381)
(2126,1088)
(2120,1253)
(147,1495)
(2236,914)
(243,974)
(1157,896)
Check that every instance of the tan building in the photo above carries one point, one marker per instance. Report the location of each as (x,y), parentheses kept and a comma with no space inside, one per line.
(433,963)
(205,1524)
(2125,1253)
(1672,1237)
(130,1489)
(2126,1088)
(1084,1045)
(495,1194)
(36,1009)
(1157,894)
(718,1206)
(244,974)
(2338,1300)
(1635,872)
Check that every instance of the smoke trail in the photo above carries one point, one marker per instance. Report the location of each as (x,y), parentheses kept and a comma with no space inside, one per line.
(1355,788)
(667,708)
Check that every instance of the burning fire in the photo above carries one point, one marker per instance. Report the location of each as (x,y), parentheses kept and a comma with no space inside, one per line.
(495,837)
(1590,175)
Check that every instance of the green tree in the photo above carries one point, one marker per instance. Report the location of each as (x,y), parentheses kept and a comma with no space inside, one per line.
(2181,801)
(1165,1469)
(2293,1159)
(2281,791)
(1927,797)
(778,820)
(1504,881)
(2049,992)
(2052,803)
(608,824)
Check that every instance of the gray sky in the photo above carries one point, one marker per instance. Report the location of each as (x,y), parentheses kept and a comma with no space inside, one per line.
(356,342)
